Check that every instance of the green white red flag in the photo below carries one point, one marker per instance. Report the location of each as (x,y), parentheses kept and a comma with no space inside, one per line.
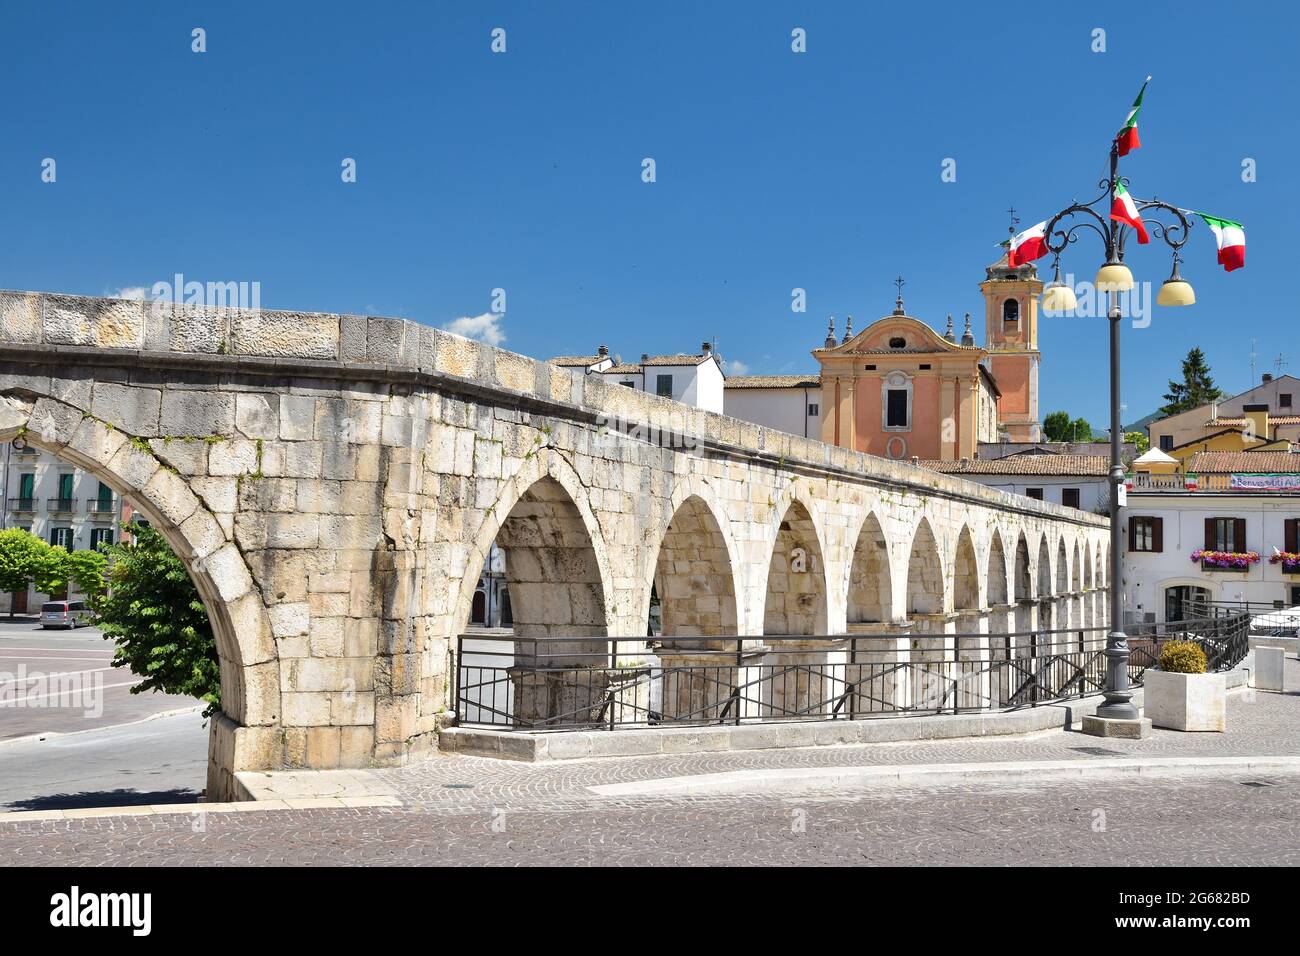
(1231,237)
(1127,137)
(1028,245)
(1123,209)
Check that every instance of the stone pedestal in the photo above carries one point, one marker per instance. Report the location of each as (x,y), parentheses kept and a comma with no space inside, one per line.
(1110,727)
(1196,702)
(1270,669)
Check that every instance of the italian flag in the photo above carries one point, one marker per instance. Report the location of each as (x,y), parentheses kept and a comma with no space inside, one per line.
(1231,237)
(1127,138)
(1190,482)
(1123,208)
(1028,245)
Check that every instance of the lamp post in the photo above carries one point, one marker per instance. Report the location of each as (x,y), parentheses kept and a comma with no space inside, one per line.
(1114,277)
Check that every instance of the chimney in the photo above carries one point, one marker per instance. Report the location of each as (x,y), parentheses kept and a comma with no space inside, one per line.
(1268,377)
(964,464)
(645,357)
(707,347)
(602,351)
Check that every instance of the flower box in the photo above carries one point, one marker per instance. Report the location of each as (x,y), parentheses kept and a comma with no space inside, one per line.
(1289,560)
(1225,560)
(1191,702)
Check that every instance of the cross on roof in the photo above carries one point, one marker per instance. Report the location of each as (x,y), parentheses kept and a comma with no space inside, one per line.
(898,303)
(1015,220)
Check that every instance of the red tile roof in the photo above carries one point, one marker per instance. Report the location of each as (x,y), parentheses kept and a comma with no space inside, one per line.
(774,381)
(1063,465)
(1244,462)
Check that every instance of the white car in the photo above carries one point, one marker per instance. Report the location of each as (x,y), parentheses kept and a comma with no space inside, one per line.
(69,614)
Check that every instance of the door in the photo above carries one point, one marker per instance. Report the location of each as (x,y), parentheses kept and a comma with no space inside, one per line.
(1295,595)
(1177,600)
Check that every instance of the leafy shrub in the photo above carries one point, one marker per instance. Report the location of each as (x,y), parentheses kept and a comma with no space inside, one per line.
(153,612)
(1182,657)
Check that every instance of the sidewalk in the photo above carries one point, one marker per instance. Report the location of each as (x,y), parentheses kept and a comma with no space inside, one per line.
(996,801)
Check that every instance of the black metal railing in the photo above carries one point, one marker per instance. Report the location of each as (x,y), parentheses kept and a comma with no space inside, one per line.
(22,504)
(101,506)
(62,505)
(577,682)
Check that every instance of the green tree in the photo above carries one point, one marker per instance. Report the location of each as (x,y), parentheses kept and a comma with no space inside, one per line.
(153,612)
(1059,426)
(58,571)
(1196,389)
(1140,440)
(22,556)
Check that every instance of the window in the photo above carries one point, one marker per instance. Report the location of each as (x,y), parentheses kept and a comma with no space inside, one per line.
(664,386)
(898,343)
(100,536)
(26,491)
(813,410)
(870,368)
(1011,312)
(896,413)
(628,384)
(1035,493)
(1070,497)
(925,368)
(65,487)
(1166,442)
(1291,535)
(1284,400)
(1225,534)
(61,538)
(896,402)
(1146,533)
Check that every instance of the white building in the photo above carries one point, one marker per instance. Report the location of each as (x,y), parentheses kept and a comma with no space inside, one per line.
(1076,481)
(58,503)
(789,403)
(692,379)
(1242,503)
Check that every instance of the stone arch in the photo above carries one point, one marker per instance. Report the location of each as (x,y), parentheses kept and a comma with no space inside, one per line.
(1088,580)
(870,588)
(1044,569)
(556,511)
(997,588)
(1076,574)
(695,575)
(965,573)
(925,578)
(1062,567)
(250,680)
(796,600)
(1024,577)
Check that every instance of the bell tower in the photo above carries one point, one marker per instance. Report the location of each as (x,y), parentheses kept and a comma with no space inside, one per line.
(1011,337)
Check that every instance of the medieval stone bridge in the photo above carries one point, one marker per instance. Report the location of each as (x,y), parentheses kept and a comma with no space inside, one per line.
(334,483)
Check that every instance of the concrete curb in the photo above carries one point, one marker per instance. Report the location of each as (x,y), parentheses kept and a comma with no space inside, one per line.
(164,809)
(55,734)
(737,781)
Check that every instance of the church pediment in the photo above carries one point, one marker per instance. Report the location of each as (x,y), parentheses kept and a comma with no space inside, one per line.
(894,334)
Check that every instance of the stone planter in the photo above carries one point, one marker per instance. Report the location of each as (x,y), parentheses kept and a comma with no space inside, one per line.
(1185,701)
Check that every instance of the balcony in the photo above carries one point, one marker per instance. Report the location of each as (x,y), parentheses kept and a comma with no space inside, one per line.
(1141,482)
(21,505)
(61,506)
(101,508)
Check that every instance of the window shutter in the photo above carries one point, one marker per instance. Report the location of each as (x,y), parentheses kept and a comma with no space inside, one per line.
(1157,534)
(1290,535)
(1209,534)
(1239,534)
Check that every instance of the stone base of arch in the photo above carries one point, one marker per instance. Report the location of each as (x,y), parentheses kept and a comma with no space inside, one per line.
(233,748)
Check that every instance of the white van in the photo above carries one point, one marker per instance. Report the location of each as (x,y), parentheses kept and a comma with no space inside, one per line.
(69,614)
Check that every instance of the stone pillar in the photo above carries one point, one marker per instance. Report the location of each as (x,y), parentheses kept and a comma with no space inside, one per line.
(971,671)
(1002,623)
(933,651)
(878,671)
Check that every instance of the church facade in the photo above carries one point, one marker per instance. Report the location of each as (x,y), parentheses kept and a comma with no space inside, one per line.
(900,389)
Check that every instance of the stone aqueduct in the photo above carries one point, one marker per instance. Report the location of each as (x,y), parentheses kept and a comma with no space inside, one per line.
(334,483)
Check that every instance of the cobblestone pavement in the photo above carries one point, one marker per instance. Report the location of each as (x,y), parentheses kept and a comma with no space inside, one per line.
(1212,821)
(467,810)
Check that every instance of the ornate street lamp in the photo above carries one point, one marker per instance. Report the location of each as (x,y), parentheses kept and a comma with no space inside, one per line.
(1113,277)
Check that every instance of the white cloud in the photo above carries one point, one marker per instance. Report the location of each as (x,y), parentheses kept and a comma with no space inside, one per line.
(136,292)
(737,367)
(485,327)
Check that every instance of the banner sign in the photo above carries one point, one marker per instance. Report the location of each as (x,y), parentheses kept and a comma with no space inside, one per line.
(1265,482)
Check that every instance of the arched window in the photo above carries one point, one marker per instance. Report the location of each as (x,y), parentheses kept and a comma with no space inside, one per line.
(1011,312)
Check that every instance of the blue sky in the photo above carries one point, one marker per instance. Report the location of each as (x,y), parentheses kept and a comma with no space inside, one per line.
(775,170)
